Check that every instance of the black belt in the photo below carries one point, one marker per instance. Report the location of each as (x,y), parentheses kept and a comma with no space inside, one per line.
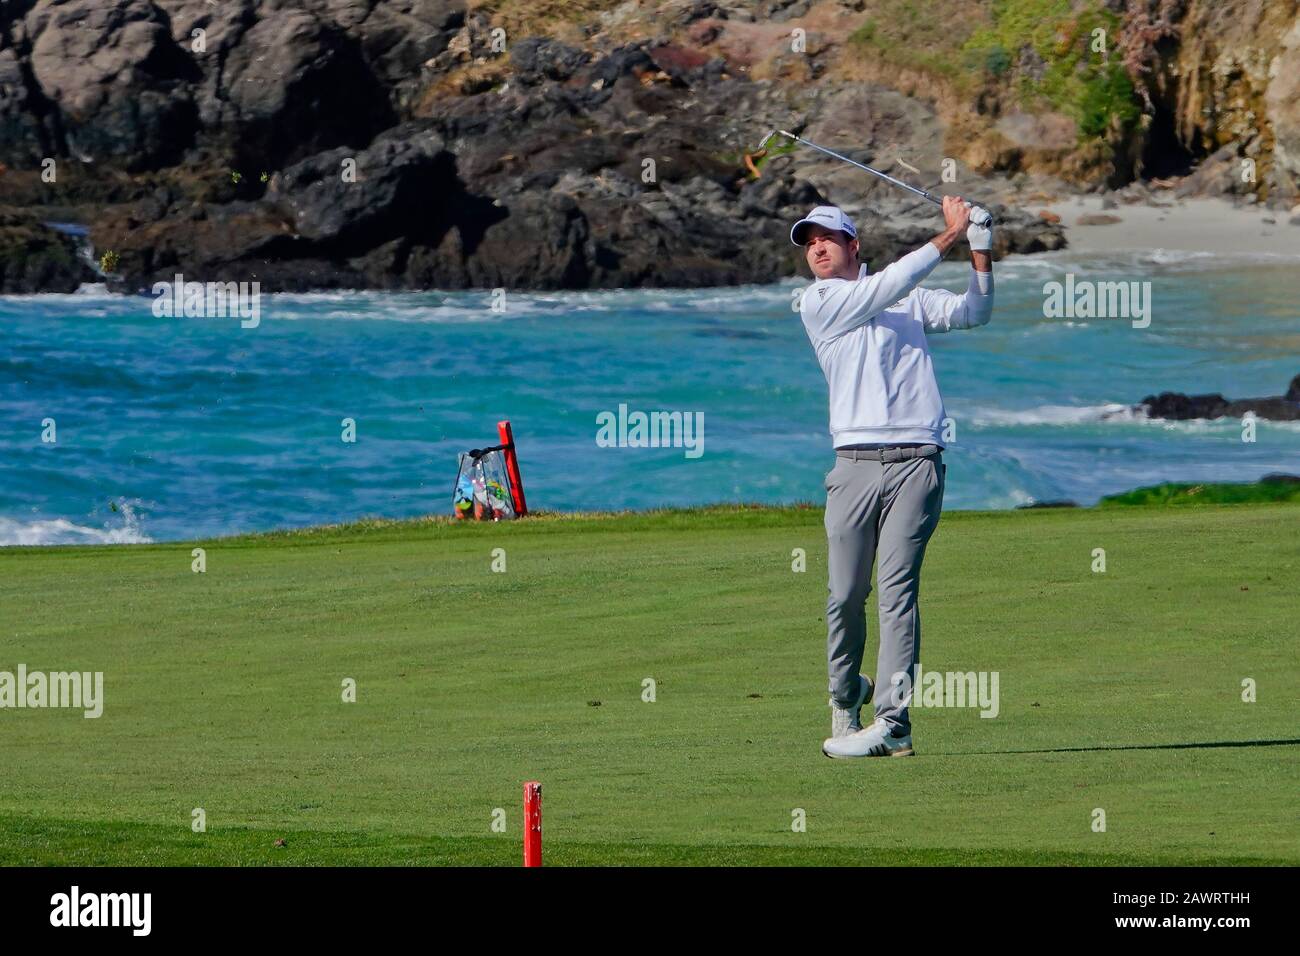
(890,453)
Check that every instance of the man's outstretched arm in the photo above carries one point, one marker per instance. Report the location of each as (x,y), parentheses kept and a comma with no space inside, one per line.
(944,311)
(835,309)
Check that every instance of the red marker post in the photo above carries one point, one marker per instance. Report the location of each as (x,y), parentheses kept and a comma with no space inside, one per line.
(532,823)
(512,468)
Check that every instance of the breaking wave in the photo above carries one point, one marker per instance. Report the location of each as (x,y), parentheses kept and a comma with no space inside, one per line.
(50,531)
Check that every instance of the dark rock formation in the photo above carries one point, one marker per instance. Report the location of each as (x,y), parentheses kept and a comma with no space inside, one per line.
(388,143)
(1177,406)
(36,258)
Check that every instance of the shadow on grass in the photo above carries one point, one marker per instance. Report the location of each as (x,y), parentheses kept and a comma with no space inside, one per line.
(1076,750)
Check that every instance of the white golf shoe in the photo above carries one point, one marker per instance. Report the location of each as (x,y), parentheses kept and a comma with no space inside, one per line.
(845,721)
(874,741)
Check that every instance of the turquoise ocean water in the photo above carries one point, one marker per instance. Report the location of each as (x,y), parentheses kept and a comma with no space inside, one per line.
(174,428)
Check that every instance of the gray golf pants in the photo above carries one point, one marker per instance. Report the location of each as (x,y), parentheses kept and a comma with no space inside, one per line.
(887,509)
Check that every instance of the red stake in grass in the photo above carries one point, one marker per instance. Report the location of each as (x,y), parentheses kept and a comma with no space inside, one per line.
(532,823)
(512,468)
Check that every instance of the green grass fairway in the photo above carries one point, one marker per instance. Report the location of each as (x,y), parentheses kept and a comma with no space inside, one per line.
(1119,690)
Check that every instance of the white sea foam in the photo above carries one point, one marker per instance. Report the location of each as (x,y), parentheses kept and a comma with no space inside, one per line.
(49,531)
(62,531)
(1230,424)
(1054,415)
(1111,413)
(86,292)
(1134,262)
(1176,257)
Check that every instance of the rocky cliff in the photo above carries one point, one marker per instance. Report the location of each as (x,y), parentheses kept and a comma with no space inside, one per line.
(453,144)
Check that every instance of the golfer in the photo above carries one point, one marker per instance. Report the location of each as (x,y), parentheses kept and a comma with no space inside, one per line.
(884,495)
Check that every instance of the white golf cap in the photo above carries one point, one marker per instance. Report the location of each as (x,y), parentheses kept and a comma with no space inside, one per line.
(831,217)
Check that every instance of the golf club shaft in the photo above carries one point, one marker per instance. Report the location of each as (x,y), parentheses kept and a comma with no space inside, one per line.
(923,194)
(938,201)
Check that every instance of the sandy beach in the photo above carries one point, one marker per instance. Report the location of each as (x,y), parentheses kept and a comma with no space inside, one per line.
(1192,225)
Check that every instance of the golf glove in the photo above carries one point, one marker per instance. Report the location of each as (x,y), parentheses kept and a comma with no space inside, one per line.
(980,231)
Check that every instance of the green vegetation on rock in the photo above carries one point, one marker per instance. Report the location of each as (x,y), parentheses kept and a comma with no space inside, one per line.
(1041,50)
(1053,41)
(1172,493)
(915,34)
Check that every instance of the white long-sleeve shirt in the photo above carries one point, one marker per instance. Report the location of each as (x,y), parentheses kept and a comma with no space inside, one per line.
(870,339)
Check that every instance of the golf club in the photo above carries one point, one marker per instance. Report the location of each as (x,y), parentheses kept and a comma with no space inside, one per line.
(937,200)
